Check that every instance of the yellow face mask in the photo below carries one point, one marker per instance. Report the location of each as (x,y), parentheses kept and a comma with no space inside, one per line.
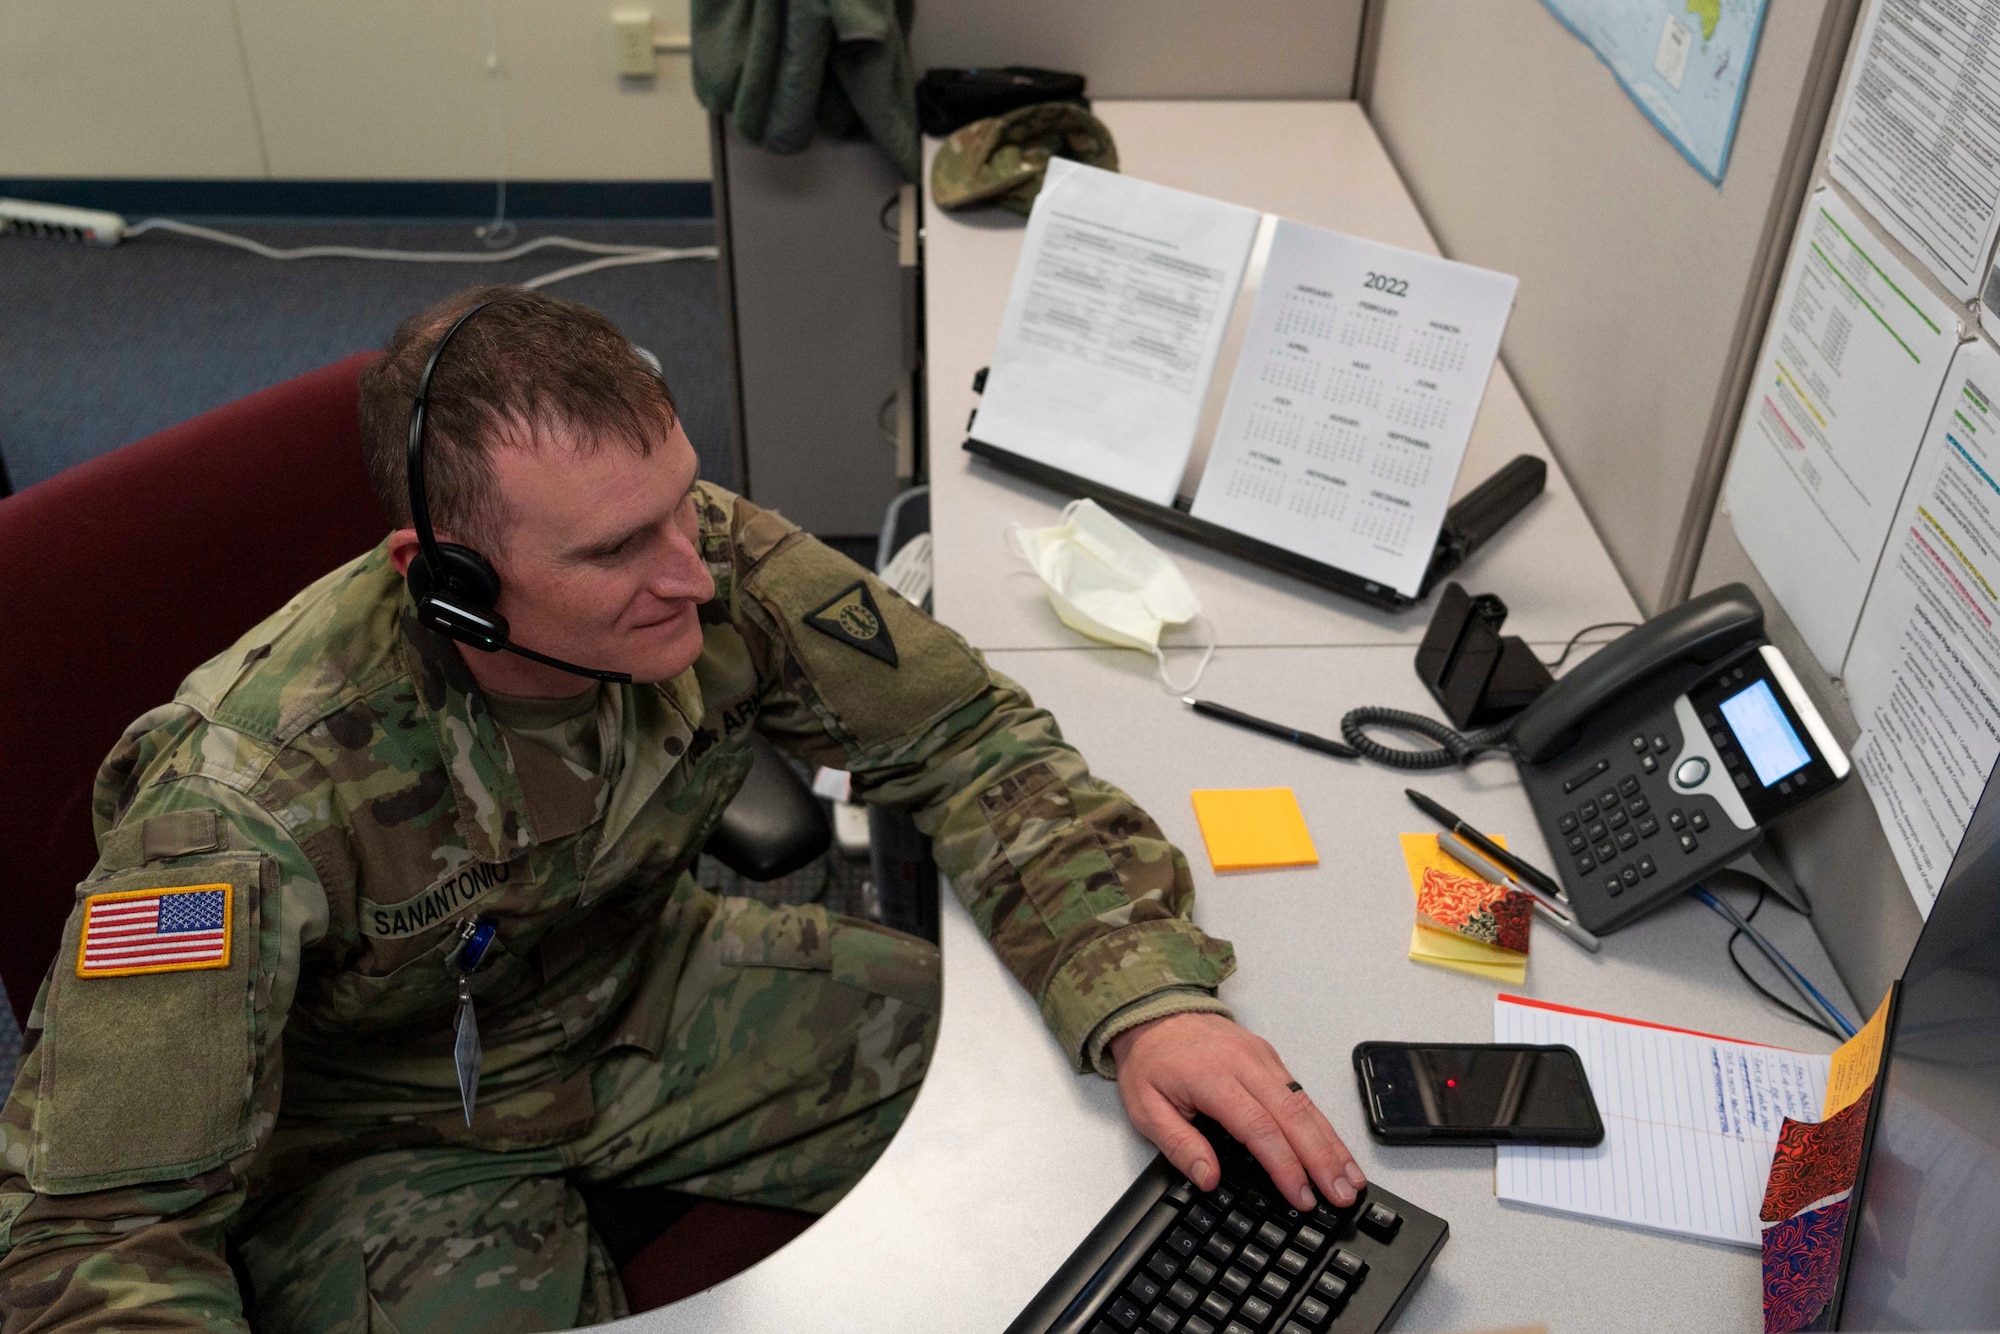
(1106,581)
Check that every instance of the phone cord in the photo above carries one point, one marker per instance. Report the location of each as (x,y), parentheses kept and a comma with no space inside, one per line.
(1454,748)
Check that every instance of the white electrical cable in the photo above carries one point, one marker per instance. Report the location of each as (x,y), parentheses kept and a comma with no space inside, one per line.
(615,255)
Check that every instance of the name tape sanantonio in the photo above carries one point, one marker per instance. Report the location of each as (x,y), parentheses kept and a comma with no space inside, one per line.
(447,898)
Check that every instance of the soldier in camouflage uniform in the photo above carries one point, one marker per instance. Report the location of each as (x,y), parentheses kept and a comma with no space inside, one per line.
(349,790)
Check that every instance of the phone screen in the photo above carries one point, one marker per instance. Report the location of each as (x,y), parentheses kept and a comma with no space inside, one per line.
(1480,1087)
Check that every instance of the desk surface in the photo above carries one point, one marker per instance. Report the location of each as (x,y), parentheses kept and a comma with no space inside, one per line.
(1008,1158)
(1315,162)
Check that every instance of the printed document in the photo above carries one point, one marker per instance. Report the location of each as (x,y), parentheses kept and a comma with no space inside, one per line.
(1924,673)
(1853,360)
(1353,400)
(1918,139)
(1690,1123)
(1111,331)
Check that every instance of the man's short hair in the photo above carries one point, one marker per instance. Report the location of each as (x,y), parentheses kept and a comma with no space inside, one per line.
(524,365)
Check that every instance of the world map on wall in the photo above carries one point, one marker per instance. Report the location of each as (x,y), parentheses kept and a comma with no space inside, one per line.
(1684,62)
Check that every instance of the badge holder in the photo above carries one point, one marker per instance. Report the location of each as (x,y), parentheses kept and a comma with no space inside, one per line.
(474,942)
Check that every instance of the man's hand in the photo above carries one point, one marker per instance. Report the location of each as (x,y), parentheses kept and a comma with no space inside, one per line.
(1172,1068)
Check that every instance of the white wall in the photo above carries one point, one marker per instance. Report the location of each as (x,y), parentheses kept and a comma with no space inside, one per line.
(340,89)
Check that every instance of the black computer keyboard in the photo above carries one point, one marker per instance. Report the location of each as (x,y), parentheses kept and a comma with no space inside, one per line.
(1170,1259)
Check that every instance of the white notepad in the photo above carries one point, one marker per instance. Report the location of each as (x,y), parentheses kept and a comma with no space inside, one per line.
(1690,1122)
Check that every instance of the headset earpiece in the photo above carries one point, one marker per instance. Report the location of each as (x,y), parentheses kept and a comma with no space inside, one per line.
(467,577)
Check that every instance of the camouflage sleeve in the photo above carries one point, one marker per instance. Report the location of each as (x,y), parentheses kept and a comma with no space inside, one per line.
(1083,897)
(143,1096)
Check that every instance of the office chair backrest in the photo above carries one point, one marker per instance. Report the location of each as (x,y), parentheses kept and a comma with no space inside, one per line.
(123,574)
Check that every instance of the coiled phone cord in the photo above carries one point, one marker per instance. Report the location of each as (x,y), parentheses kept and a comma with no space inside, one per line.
(1454,748)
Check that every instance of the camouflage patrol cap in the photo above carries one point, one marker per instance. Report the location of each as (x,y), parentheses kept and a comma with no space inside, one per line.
(1001,160)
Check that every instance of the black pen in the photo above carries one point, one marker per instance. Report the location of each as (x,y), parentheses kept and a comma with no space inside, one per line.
(1339,750)
(1540,880)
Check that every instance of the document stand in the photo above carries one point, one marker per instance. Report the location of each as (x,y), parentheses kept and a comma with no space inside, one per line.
(1468,524)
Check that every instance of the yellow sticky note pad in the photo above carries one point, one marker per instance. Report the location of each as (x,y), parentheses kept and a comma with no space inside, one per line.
(1249,829)
(1442,949)
(1855,1064)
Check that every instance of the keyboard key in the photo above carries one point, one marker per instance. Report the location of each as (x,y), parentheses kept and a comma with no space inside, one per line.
(1199,1271)
(1311,1238)
(1183,1294)
(1200,1219)
(1122,1313)
(1215,1306)
(1196,1325)
(1183,1242)
(1234,1282)
(1255,1310)
(1181,1193)
(1253,1257)
(1347,1264)
(1239,1223)
(1163,1265)
(1164,1318)
(1271,1235)
(1313,1312)
(1219,1246)
(1292,1262)
(1104,1327)
(1629,785)
(1256,1203)
(1294,1327)
(1222,1197)
(1143,1289)
(1274,1285)
(1331,1288)
(1237,1327)
(1566,825)
(1380,1221)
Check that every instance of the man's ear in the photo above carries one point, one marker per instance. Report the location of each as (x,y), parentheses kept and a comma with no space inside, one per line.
(403,548)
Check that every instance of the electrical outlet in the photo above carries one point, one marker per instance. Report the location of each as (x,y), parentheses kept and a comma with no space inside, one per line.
(633,31)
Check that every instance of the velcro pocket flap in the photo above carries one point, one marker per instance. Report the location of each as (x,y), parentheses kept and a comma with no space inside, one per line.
(148,1052)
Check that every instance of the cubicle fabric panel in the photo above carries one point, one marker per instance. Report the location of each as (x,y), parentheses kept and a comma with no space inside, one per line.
(123,574)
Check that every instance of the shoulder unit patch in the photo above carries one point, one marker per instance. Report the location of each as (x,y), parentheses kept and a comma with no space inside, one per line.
(155,931)
(853,618)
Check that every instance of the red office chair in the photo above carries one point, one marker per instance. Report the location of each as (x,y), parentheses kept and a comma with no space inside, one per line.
(118,578)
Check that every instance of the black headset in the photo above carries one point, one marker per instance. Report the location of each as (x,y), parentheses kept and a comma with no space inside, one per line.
(456,588)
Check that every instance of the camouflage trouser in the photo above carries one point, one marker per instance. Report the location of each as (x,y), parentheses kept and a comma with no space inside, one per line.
(796,1043)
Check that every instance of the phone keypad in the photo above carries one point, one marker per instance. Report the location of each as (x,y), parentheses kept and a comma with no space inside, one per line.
(1608,832)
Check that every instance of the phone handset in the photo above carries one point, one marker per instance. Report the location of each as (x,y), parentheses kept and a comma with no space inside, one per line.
(1701,630)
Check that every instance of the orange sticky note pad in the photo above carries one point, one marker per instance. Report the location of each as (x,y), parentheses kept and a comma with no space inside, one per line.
(1249,829)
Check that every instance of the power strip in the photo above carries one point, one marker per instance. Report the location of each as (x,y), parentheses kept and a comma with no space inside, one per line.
(61,222)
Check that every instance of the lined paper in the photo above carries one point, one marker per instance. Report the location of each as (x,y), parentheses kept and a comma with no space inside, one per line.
(1690,1123)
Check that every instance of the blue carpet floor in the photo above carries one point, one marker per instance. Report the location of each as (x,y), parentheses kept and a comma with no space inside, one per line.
(103,346)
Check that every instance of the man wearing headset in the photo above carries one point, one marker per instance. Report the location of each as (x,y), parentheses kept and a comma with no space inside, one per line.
(415,920)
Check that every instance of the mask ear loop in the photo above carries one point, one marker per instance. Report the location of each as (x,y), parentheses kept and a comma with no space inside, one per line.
(1207,656)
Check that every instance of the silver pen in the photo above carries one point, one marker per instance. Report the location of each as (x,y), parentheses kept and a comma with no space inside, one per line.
(1451,847)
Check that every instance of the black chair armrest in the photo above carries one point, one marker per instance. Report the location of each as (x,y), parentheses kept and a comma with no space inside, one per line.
(774,825)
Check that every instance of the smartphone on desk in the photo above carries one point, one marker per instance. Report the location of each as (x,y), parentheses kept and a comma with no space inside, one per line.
(1475,1093)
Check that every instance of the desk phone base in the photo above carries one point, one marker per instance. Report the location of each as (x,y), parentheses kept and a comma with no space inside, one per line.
(1677,781)
(1169,1259)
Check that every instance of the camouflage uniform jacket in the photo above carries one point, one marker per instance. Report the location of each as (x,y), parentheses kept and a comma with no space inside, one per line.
(338,771)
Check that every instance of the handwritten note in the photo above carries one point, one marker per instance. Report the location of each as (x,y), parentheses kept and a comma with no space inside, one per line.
(1690,1123)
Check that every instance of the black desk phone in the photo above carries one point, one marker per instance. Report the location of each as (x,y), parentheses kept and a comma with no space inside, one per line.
(1660,759)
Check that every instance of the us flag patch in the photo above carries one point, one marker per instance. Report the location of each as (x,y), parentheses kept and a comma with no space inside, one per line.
(155,931)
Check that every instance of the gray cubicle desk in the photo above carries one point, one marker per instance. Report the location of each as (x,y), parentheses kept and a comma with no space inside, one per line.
(1008,1157)
(1315,162)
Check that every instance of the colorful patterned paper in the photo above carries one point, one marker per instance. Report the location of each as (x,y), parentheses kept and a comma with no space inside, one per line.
(1466,906)
(1815,1160)
(1801,1262)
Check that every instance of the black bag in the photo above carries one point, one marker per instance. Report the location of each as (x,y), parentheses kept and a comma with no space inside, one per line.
(949,98)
